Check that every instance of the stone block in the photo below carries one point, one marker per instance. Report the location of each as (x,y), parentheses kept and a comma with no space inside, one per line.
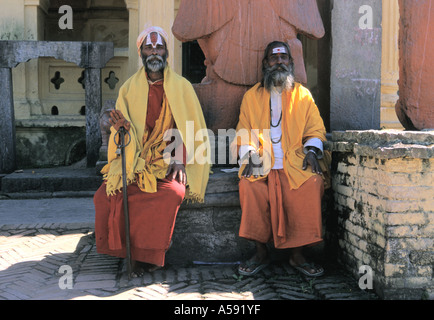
(384,203)
(354,74)
(407,218)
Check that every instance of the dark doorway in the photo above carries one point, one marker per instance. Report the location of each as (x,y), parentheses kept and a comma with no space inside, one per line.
(324,62)
(193,67)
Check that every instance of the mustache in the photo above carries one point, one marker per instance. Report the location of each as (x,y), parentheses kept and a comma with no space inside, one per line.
(154,57)
(279,68)
(154,63)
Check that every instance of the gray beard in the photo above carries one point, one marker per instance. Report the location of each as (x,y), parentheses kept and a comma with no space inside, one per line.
(154,63)
(279,78)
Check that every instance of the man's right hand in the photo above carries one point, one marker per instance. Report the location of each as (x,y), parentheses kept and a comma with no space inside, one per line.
(117,120)
(254,167)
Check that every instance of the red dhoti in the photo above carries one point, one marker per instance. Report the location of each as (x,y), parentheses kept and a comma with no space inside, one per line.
(152,220)
(273,212)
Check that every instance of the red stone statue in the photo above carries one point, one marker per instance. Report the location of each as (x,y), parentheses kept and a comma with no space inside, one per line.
(233,36)
(415,107)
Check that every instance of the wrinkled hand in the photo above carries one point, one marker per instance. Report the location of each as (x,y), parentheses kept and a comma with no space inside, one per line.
(117,120)
(310,159)
(177,171)
(254,167)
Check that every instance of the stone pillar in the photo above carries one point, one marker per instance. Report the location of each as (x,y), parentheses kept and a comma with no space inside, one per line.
(92,78)
(389,65)
(7,123)
(34,15)
(355,88)
(383,186)
(416,65)
(133,33)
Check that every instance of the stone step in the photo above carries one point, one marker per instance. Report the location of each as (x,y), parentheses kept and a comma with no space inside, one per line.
(222,188)
(50,180)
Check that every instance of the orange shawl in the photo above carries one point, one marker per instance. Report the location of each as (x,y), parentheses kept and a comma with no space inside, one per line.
(301,121)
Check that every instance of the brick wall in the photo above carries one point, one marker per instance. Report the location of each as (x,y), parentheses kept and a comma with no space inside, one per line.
(383,186)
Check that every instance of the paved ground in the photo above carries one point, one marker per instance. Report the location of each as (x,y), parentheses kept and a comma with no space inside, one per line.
(47,252)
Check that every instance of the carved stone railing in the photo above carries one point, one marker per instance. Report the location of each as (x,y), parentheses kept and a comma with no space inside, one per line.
(92,56)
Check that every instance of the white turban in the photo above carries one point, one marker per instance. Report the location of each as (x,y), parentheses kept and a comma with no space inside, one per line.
(148,31)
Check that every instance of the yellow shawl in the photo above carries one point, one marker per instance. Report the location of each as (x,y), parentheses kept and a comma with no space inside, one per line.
(301,121)
(144,155)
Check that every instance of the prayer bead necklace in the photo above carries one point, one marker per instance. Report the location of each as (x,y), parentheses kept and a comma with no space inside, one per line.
(275,126)
(276,142)
(271,120)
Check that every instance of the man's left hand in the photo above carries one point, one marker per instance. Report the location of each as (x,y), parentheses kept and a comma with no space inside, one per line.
(311,159)
(177,171)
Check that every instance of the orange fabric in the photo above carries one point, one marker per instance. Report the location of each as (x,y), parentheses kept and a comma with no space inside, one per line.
(271,211)
(152,220)
(301,121)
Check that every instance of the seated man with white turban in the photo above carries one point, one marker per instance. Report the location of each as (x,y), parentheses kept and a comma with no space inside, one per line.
(150,103)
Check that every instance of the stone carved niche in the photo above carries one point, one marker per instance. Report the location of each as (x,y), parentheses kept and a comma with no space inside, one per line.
(416,65)
(233,36)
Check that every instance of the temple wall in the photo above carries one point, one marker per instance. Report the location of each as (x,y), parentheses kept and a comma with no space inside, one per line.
(383,184)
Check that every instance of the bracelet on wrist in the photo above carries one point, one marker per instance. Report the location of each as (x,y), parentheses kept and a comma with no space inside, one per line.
(313,151)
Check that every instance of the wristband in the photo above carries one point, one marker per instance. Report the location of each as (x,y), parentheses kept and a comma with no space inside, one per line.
(174,161)
(313,151)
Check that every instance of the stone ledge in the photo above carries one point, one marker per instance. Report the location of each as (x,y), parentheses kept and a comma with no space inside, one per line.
(52,122)
(385,144)
(384,136)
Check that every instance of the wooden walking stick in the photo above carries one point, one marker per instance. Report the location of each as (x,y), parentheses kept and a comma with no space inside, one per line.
(121,149)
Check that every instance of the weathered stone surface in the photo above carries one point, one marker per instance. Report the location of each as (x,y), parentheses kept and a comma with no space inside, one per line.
(355,83)
(33,255)
(416,66)
(83,54)
(59,146)
(89,55)
(7,123)
(385,144)
(383,184)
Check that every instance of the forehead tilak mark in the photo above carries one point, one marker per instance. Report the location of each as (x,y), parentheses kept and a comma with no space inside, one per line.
(154,39)
(279,50)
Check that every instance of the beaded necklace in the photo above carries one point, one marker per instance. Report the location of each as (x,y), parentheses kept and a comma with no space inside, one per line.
(275,126)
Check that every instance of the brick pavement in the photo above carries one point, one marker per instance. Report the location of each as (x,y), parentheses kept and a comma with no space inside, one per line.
(32,256)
